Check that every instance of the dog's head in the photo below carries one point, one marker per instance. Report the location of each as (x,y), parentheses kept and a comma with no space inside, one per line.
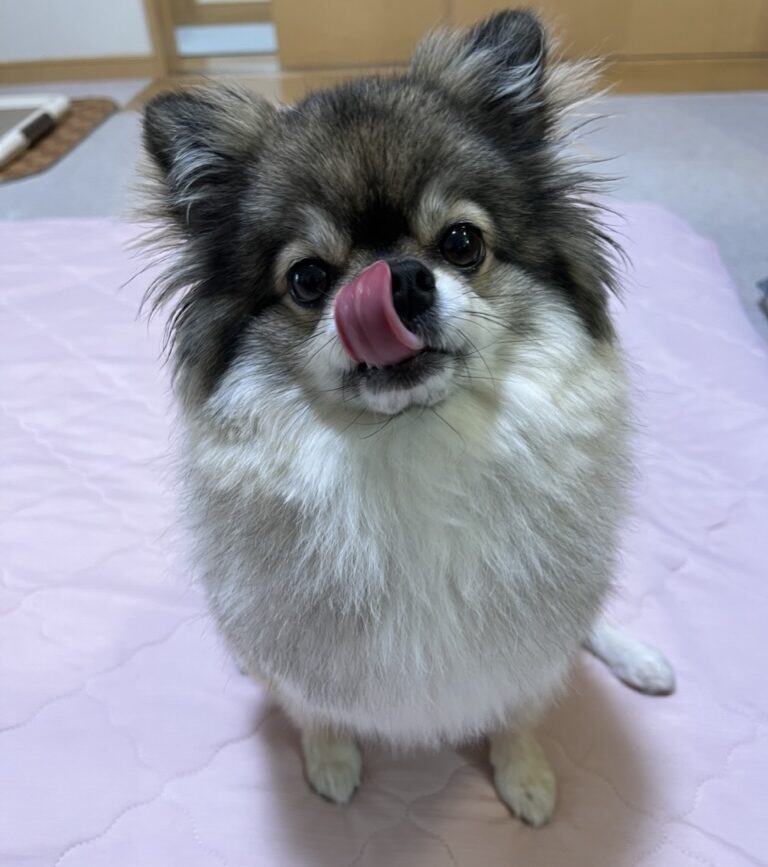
(387,243)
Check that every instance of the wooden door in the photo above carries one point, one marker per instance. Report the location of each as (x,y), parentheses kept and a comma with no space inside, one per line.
(652,44)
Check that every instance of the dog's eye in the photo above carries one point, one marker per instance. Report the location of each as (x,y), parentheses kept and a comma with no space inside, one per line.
(462,245)
(308,282)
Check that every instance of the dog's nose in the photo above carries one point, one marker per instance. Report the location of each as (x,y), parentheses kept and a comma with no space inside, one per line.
(413,289)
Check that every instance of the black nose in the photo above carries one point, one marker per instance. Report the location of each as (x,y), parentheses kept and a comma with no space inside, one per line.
(413,289)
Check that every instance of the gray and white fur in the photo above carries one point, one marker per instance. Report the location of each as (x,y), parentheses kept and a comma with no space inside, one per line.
(414,553)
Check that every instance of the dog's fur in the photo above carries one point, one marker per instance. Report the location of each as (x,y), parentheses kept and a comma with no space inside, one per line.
(412,556)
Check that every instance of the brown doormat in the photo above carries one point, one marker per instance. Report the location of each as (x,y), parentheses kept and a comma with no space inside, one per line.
(83,117)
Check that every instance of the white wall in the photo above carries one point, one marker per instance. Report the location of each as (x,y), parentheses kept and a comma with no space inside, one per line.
(56,29)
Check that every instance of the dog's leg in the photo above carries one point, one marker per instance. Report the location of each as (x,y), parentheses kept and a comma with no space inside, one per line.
(332,762)
(522,774)
(633,662)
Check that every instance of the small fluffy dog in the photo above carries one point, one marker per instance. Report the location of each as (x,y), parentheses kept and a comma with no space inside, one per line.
(404,406)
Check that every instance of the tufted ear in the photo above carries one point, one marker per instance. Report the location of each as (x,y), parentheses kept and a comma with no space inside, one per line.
(202,141)
(498,66)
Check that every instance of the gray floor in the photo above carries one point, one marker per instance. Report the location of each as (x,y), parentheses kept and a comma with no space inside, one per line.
(703,156)
(93,180)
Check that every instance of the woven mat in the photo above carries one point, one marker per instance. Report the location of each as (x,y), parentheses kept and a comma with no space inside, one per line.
(83,117)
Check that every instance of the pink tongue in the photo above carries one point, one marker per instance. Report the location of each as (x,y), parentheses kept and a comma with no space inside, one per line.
(367,322)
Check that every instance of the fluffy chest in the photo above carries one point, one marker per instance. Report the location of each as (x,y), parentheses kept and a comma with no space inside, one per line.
(420,501)
(393,569)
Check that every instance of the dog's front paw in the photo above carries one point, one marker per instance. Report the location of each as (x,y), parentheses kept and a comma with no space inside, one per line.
(647,671)
(333,764)
(529,792)
(523,777)
(634,662)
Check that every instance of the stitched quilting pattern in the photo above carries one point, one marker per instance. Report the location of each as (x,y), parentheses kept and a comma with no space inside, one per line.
(127,735)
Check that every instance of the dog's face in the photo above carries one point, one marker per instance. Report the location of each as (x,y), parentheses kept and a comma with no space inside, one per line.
(384,244)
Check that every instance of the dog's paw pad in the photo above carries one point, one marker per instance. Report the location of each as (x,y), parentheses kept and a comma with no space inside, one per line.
(333,768)
(530,792)
(648,672)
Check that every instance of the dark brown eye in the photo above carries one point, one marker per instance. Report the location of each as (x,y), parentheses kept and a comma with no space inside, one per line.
(462,245)
(308,282)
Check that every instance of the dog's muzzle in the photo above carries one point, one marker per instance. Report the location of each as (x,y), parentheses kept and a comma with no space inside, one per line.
(375,313)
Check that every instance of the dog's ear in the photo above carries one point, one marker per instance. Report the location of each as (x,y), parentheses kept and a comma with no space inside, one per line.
(497,67)
(202,142)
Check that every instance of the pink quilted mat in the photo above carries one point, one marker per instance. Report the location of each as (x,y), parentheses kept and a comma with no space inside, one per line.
(129,739)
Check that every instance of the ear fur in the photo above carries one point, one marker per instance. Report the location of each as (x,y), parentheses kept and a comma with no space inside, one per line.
(201,141)
(501,57)
(503,71)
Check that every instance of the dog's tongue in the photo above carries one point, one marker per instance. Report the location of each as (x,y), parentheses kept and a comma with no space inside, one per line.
(367,322)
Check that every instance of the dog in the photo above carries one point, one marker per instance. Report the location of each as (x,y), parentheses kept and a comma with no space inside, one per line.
(404,407)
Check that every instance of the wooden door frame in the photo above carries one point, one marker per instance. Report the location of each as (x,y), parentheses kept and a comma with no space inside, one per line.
(232,12)
(162,33)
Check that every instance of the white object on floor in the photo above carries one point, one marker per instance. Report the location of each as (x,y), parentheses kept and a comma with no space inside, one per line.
(25,119)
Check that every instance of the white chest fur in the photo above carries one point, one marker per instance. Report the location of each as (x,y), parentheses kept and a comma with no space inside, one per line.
(419,579)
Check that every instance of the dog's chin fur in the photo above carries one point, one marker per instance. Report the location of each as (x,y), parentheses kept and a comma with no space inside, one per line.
(416,561)
(429,391)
